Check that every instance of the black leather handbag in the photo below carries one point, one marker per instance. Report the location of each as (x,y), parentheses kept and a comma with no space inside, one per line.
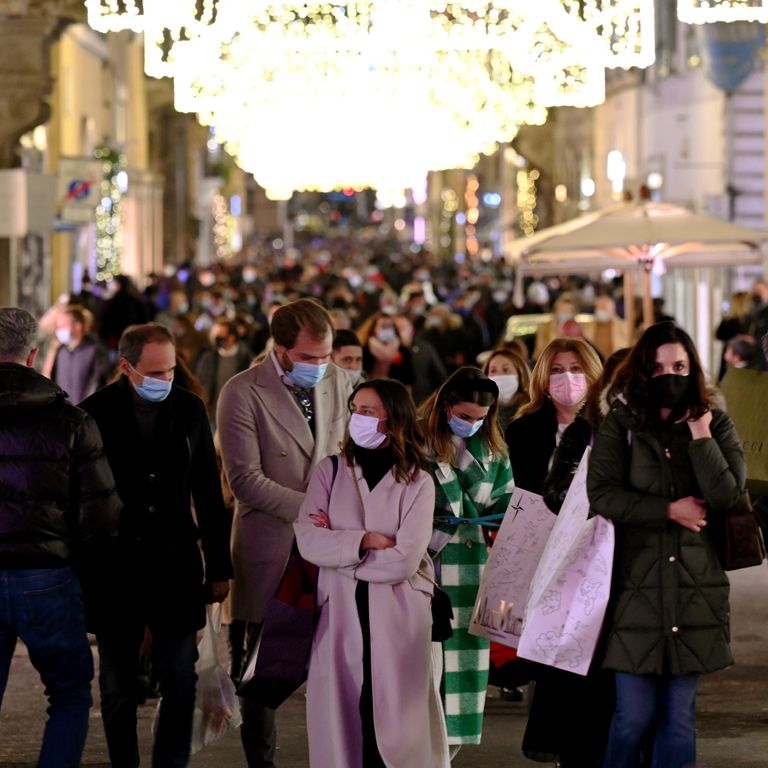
(442,613)
(737,536)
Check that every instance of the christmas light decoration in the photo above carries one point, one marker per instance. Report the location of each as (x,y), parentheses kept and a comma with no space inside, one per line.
(709,11)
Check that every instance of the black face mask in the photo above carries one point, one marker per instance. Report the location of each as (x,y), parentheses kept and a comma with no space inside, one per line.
(220,342)
(668,390)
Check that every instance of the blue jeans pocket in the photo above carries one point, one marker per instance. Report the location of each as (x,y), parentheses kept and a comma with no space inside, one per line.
(47,600)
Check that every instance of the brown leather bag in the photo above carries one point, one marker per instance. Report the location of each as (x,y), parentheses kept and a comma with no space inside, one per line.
(737,536)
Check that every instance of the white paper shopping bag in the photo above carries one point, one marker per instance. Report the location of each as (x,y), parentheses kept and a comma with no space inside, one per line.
(506,580)
(570,590)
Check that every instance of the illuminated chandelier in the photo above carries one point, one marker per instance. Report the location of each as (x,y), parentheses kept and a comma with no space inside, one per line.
(709,11)
(411,85)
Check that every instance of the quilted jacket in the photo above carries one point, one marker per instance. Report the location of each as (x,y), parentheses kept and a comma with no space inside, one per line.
(58,504)
(669,611)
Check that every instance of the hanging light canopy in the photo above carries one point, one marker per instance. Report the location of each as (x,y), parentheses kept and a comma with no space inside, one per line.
(115,15)
(316,94)
(709,11)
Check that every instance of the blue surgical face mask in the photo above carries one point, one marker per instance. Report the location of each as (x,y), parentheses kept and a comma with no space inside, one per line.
(462,428)
(152,390)
(306,375)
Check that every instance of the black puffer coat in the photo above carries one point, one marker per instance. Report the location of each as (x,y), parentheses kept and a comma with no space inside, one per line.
(669,610)
(58,504)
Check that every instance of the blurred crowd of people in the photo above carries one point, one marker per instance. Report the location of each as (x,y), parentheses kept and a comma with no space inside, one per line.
(408,363)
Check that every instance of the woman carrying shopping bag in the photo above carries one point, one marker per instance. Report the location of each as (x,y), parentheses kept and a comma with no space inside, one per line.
(664,465)
(561,378)
(473,482)
(366,522)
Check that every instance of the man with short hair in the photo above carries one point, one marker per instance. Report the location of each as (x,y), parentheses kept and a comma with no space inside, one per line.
(276,421)
(226,357)
(159,445)
(740,351)
(80,364)
(58,515)
(348,355)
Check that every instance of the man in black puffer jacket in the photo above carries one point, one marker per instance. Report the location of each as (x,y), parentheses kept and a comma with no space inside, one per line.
(58,512)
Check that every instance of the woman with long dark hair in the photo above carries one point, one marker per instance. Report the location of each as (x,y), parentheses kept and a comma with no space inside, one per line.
(663,465)
(366,522)
(473,483)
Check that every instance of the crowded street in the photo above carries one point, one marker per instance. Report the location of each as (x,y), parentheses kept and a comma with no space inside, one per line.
(384,383)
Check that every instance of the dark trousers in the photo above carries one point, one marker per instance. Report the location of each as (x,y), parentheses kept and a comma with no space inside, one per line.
(44,608)
(257,733)
(174,658)
(371,755)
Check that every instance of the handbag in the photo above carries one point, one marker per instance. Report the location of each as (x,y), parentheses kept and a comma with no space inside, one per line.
(279,659)
(737,537)
(442,609)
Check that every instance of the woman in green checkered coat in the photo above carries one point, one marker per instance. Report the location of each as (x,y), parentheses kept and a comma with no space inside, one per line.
(473,483)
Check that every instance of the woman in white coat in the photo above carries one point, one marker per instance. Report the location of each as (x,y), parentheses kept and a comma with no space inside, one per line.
(366,522)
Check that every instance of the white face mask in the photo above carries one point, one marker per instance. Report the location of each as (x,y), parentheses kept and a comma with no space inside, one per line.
(364,431)
(63,335)
(354,374)
(508,385)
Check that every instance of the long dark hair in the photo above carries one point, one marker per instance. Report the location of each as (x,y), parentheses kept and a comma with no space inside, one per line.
(466,385)
(404,433)
(633,377)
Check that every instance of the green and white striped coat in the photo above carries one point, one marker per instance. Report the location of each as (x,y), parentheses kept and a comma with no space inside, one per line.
(479,485)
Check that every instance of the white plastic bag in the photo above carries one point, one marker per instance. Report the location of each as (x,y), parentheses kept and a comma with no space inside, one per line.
(570,589)
(217,708)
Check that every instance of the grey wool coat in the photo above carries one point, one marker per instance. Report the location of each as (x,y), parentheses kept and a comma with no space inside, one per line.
(269,453)
(669,611)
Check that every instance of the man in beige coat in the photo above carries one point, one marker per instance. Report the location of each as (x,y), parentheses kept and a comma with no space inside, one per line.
(276,421)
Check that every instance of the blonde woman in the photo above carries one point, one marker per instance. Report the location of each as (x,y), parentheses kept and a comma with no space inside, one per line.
(509,370)
(564,373)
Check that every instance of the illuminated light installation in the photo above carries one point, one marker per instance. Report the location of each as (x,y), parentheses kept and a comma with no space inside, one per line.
(625,26)
(115,15)
(471,206)
(412,85)
(527,194)
(109,231)
(709,11)
(169,22)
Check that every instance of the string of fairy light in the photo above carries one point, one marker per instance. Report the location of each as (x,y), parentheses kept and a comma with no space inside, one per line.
(109,231)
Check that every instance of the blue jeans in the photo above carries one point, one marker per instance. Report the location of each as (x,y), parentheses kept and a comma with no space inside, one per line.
(44,608)
(644,702)
(174,656)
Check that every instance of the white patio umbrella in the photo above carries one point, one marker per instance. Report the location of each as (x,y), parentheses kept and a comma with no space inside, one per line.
(636,234)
